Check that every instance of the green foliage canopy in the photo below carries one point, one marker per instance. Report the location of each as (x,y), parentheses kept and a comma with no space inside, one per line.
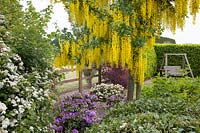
(25,33)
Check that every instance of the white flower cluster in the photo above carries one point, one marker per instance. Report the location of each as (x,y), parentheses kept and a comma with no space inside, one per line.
(123,125)
(2,108)
(104,91)
(16,89)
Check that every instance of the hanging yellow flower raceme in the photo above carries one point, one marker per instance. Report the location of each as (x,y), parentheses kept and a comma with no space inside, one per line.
(115,48)
(143,10)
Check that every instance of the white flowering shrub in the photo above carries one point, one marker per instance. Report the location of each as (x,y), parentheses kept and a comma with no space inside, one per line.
(25,98)
(105,92)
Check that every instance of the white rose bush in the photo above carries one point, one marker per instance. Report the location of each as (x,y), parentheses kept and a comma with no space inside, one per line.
(110,93)
(25,98)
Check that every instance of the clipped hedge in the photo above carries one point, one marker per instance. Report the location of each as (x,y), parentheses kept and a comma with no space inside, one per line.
(192,51)
(151,66)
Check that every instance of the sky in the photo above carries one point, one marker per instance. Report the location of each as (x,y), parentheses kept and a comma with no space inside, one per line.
(190,34)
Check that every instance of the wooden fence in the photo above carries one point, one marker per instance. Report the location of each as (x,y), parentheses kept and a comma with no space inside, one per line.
(80,78)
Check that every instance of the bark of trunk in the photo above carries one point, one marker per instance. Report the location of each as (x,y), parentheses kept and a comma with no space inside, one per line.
(80,83)
(138,90)
(130,87)
(89,81)
(99,77)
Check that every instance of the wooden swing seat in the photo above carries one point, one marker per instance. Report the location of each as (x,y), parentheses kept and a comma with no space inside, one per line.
(174,71)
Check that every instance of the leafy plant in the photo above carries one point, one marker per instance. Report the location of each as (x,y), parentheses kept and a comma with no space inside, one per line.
(170,105)
(148,122)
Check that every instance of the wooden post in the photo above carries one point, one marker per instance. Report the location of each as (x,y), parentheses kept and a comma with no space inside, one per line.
(130,87)
(80,79)
(166,61)
(185,55)
(183,62)
(99,76)
(138,90)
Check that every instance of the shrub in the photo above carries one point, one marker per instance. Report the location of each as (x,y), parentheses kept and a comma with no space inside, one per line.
(107,92)
(164,107)
(151,64)
(184,88)
(151,115)
(25,98)
(76,113)
(115,75)
(25,34)
(147,123)
(192,51)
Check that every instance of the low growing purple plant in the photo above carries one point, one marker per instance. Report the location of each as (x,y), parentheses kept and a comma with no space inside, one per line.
(77,113)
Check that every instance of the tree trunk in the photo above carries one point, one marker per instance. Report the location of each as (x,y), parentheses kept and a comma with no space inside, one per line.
(99,77)
(80,83)
(89,81)
(130,87)
(138,90)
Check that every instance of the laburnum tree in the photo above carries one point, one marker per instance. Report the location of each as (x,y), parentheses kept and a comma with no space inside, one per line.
(116,31)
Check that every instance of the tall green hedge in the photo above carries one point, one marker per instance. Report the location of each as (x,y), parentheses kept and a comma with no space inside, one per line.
(151,66)
(192,51)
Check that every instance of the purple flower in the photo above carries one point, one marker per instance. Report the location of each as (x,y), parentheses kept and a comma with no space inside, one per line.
(88,100)
(75,131)
(62,104)
(64,117)
(60,128)
(70,115)
(54,127)
(91,113)
(94,97)
(80,100)
(87,95)
(112,98)
(58,120)
(94,104)
(87,120)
